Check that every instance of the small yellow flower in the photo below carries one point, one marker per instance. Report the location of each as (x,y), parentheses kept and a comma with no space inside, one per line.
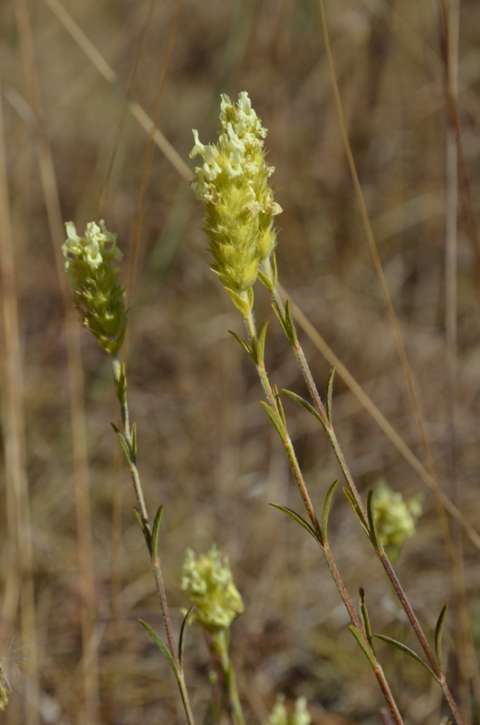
(233,183)
(91,262)
(208,581)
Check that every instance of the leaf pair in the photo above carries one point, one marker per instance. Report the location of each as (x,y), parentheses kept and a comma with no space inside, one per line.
(129,445)
(175,660)
(276,415)
(319,531)
(319,415)
(255,349)
(285,318)
(438,639)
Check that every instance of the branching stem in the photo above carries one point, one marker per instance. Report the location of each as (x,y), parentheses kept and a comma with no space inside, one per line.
(352,487)
(310,509)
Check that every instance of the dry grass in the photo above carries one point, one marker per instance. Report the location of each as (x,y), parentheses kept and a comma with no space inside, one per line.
(207,452)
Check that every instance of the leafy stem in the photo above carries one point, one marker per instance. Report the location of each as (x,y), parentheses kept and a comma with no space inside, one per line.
(275,412)
(324,415)
(128,441)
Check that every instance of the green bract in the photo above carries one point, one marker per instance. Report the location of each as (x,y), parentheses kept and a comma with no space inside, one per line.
(395,518)
(208,581)
(280,716)
(232,183)
(91,262)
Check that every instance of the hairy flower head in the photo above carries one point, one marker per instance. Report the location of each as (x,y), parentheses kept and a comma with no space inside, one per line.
(280,716)
(233,183)
(208,581)
(91,261)
(395,518)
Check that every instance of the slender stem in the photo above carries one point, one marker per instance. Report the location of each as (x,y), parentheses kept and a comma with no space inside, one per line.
(221,650)
(325,547)
(286,440)
(341,586)
(387,693)
(337,449)
(121,387)
(184,696)
(127,430)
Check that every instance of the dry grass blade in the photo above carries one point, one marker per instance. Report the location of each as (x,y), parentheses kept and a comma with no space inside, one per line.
(411,386)
(107,72)
(15,468)
(81,474)
(449,40)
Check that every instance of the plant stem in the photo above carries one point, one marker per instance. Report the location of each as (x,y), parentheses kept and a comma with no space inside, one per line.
(221,649)
(398,588)
(336,447)
(325,547)
(120,380)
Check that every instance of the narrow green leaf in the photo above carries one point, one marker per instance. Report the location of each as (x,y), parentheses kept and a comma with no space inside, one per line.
(121,381)
(275,419)
(155,532)
(364,646)
(280,317)
(301,401)
(133,446)
(182,634)
(331,379)
(242,342)
(327,506)
(145,528)
(372,529)
(439,629)
(261,340)
(356,509)
(124,444)
(290,324)
(280,408)
(273,260)
(156,639)
(366,618)
(317,535)
(406,650)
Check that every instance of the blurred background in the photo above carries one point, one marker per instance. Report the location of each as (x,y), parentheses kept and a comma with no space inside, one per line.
(82,83)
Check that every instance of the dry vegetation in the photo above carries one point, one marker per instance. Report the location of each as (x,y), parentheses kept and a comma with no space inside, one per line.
(73,150)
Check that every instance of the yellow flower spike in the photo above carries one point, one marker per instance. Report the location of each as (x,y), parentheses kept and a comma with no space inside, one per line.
(232,181)
(208,581)
(91,262)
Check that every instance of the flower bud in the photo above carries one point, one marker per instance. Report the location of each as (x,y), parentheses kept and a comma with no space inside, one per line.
(395,518)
